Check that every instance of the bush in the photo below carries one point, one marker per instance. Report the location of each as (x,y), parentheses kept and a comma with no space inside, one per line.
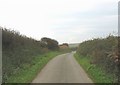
(18,50)
(102,52)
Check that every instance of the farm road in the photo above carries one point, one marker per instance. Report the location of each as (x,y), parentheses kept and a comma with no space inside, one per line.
(62,69)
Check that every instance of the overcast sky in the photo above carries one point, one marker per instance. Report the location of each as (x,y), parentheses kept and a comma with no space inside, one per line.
(67,21)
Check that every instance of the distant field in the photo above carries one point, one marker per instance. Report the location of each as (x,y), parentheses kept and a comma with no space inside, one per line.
(74,45)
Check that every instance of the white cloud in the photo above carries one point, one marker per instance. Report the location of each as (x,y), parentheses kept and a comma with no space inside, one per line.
(59,19)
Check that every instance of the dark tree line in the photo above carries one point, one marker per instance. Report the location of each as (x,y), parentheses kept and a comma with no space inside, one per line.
(18,50)
(50,43)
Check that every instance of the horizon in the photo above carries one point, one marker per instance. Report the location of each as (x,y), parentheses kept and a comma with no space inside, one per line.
(67,21)
(110,34)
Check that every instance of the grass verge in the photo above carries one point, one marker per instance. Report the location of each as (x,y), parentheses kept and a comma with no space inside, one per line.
(29,71)
(94,72)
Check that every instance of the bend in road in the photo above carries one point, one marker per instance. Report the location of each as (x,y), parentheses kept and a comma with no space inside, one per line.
(62,69)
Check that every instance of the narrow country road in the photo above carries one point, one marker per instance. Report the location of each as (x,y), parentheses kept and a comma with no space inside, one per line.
(62,69)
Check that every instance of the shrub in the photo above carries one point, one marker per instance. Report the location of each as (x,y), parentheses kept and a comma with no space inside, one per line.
(103,52)
(18,50)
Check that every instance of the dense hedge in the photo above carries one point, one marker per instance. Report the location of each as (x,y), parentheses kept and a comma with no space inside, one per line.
(102,52)
(18,50)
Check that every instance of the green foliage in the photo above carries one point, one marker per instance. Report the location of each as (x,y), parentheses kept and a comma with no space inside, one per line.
(29,71)
(18,50)
(73,48)
(103,53)
(50,43)
(95,73)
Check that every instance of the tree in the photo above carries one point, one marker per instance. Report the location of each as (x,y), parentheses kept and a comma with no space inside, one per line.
(66,44)
(50,43)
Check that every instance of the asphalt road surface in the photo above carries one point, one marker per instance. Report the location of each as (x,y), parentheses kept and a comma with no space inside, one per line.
(62,69)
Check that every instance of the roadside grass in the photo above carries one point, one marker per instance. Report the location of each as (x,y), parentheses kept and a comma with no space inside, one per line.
(30,71)
(94,72)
